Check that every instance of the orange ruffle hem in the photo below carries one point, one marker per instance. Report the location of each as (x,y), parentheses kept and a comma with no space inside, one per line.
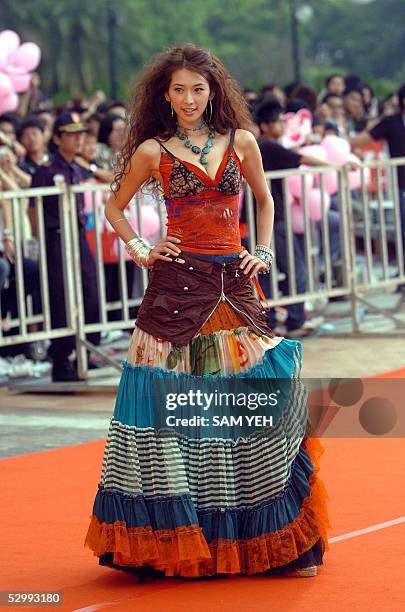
(185,552)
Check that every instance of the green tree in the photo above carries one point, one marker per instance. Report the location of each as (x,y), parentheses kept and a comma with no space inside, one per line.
(252,37)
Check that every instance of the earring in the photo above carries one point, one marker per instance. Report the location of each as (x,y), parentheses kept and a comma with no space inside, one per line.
(171,109)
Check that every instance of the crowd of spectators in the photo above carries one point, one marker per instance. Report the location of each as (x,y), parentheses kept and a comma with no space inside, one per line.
(29,145)
(346,107)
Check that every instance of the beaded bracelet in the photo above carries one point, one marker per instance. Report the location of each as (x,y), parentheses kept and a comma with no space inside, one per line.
(139,251)
(265,254)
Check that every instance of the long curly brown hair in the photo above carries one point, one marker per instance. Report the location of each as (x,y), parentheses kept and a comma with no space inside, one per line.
(150,114)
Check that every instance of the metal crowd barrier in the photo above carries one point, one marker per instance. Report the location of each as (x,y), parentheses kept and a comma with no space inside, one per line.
(310,240)
(372,228)
(377,227)
(26,323)
(369,227)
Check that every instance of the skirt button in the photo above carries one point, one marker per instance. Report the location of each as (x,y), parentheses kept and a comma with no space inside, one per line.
(185,288)
(175,312)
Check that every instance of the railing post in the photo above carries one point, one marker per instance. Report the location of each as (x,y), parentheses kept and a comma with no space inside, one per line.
(77,275)
(350,259)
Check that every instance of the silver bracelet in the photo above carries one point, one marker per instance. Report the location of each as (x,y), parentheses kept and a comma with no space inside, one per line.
(138,249)
(264,253)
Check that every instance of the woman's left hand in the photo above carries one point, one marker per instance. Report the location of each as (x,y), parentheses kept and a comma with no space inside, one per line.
(250,264)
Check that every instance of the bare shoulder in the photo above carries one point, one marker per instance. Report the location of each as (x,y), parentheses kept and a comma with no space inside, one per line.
(244,136)
(149,148)
(148,153)
(245,141)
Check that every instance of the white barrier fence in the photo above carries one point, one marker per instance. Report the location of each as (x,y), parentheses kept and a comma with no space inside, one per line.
(316,251)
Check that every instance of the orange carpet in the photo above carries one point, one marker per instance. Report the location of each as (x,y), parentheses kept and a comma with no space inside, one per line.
(46,505)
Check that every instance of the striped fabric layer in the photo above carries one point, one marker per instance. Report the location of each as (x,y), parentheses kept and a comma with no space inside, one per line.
(219,473)
(176,511)
(192,504)
(168,533)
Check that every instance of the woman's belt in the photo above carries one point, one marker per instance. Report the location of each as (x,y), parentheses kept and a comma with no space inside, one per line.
(181,297)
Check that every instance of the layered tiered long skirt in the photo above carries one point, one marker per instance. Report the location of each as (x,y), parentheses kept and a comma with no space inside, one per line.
(194,505)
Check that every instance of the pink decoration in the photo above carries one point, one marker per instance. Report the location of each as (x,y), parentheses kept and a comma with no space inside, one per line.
(16,62)
(9,40)
(295,184)
(354,175)
(337,149)
(3,57)
(149,219)
(150,222)
(19,78)
(88,202)
(315,204)
(298,127)
(6,86)
(314,151)
(8,103)
(297,219)
(330,181)
(26,57)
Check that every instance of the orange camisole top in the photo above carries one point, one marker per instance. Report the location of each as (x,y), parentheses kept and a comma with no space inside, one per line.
(203,212)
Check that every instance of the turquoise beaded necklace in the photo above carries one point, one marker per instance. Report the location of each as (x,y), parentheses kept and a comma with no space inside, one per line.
(202,151)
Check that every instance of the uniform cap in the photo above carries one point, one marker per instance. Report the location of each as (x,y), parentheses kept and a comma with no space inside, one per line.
(69,123)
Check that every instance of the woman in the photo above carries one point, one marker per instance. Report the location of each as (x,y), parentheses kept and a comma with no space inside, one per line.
(111,137)
(178,498)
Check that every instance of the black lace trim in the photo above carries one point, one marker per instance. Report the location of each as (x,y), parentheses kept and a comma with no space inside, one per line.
(230,182)
(184,182)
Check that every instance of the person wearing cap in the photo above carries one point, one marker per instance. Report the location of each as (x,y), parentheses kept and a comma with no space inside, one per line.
(68,136)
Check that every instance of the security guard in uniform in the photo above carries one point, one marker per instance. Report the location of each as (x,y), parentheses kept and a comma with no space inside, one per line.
(68,136)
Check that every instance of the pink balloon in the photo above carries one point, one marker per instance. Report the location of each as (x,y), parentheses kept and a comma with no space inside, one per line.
(354,175)
(315,204)
(19,78)
(88,200)
(294,184)
(3,57)
(26,57)
(314,151)
(6,86)
(330,182)
(337,149)
(297,127)
(9,40)
(150,221)
(297,219)
(8,103)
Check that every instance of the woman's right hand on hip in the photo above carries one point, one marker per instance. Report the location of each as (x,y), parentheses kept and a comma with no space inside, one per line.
(164,250)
